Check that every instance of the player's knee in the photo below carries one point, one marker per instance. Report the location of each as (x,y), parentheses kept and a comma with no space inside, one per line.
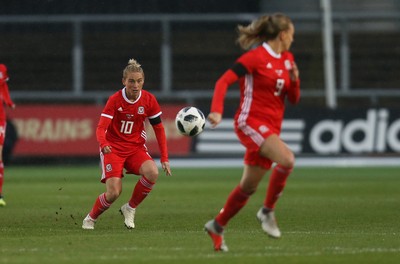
(152,174)
(149,170)
(113,194)
(288,161)
(249,186)
(249,189)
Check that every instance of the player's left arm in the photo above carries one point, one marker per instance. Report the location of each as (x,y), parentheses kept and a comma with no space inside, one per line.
(231,76)
(294,74)
(159,131)
(6,95)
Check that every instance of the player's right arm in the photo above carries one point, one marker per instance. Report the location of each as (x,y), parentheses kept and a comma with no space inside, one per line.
(104,122)
(221,87)
(101,130)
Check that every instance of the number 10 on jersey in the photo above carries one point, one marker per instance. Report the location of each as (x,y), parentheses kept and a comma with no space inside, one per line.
(126,127)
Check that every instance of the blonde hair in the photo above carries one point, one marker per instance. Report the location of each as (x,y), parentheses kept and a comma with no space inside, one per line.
(264,28)
(133,66)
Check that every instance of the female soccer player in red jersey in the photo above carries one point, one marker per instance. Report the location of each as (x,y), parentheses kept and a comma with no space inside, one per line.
(122,137)
(267,75)
(4,99)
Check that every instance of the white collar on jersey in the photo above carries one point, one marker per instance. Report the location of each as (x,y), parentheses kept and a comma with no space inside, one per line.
(271,51)
(127,99)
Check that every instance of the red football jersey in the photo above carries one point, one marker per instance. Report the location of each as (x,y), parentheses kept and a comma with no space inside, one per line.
(3,73)
(264,88)
(127,128)
(4,93)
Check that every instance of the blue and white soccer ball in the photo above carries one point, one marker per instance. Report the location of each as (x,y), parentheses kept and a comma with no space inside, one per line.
(190,121)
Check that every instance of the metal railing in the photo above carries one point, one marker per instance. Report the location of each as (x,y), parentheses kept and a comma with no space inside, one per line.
(344,23)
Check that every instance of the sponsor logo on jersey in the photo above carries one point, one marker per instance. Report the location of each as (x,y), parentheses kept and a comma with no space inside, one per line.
(279,72)
(120,109)
(269,65)
(129,116)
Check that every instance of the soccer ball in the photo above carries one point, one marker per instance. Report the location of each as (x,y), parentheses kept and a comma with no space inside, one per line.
(190,121)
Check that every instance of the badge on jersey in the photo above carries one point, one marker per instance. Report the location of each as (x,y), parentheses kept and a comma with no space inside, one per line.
(263,129)
(140,110)
(288,65)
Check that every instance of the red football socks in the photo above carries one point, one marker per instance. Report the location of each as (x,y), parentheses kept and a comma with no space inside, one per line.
(142,189)
(236,200)
(99,206)
(277,182)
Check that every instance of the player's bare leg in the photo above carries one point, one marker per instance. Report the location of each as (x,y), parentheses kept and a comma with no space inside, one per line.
(276,150)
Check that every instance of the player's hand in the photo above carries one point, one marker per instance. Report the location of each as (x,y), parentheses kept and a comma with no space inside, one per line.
(106,149)
(214,118)
(294,72)
(166,168)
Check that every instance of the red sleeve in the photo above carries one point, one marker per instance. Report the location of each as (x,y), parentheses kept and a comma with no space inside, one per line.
(294,92)
(221,86)
(155,109)
(101,130)
(3,73)
(162,141)
(4,87)
(6,95)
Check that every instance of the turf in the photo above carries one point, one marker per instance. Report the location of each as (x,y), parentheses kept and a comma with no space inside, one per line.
(326,215)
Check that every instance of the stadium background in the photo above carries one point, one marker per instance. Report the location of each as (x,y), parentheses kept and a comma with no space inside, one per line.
(66,57)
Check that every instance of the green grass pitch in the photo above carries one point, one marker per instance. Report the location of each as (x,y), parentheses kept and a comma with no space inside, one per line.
(326,215)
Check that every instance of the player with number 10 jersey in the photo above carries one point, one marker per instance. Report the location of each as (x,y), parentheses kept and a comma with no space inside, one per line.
(122,136)
(127,129)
